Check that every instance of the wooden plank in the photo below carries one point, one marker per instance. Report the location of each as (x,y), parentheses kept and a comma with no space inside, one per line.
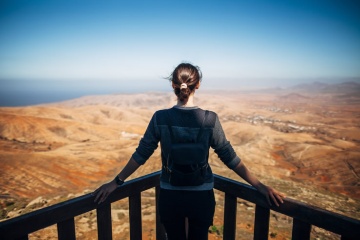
(322,218)
(135,217)
(301,230)
(104,224)
(66,229)
(160,230)
(230,217)
(262,218)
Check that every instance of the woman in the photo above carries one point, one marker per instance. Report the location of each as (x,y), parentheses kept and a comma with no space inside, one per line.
(186,208)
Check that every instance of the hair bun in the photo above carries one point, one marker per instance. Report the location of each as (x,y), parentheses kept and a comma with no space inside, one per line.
(183,85)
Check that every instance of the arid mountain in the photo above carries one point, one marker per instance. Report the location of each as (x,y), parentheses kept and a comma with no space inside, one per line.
(294,97)
(345,88)
(308,149)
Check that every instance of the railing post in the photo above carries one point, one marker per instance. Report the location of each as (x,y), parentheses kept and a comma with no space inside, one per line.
(230,217)
(262,217)
(66,229)
(103,213)
(160,230)
(301,230)
(135,216)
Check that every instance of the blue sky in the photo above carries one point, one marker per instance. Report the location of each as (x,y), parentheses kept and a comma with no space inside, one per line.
(137,43)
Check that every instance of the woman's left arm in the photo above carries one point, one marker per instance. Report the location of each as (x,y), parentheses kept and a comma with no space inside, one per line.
(270,193)
(104,191)
(146,147)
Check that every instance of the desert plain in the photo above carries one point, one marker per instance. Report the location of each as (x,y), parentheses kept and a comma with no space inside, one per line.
(303,141)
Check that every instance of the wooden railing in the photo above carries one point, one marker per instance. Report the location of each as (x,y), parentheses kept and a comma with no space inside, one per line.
(63,214)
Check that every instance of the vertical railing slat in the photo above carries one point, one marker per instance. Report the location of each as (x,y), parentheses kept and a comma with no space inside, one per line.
(262,217)
(135,216)
(66,229)
(230,217)
(104,224)
(301,230)
(160,230)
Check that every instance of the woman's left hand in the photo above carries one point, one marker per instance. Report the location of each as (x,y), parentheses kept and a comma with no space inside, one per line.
(271,194)
(104,191)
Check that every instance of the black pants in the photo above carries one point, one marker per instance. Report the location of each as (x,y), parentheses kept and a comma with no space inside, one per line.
(197,206)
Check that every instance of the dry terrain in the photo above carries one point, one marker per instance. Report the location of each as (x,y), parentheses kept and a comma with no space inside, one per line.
(304,141)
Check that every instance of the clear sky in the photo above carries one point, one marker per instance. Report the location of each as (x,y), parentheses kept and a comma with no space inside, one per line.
(139,42)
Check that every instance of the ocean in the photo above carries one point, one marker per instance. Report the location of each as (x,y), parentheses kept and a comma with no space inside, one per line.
(27,98)
(16,93)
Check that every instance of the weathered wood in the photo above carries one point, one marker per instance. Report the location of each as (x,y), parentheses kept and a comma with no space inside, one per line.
(301,230)
(230,216)
(66,229)
(135,217)
(160,230)
(262,218)
(103,213)
(316,216)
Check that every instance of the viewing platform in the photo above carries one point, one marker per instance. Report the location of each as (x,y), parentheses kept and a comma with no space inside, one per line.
(63,214)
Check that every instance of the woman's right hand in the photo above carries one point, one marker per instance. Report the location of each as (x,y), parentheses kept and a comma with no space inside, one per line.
(104,191)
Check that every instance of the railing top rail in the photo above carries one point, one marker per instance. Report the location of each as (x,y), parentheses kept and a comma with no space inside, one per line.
(313,215)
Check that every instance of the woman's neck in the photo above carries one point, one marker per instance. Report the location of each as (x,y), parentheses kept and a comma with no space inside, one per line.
(189,103)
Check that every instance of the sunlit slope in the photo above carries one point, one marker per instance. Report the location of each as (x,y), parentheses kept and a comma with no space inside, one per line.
(47,150)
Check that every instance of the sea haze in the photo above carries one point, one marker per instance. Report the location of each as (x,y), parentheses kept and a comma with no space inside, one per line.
(14,93)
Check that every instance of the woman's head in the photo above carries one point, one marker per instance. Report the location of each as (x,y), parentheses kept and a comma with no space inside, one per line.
(185,79)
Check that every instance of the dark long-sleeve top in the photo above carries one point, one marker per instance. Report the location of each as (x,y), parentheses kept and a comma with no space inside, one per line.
(185,123)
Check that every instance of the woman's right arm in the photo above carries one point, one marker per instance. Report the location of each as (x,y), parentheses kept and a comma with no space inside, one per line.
(227,154)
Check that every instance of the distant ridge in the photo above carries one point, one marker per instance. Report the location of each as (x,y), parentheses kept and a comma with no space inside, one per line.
(158,100)
(346,87)
(341,88)
(294,97)
(138,100)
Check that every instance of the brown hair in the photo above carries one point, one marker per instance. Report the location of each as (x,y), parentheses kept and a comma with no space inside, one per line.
(185,73)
